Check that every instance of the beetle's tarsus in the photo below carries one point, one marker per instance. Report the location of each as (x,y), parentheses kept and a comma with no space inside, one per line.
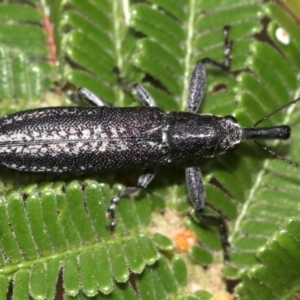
(143,182)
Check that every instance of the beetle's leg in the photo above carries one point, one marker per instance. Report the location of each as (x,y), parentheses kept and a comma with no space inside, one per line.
(196,192)
(142,95)
(198,77)
(137,91)
(143,182)
(90,97)
(196,87)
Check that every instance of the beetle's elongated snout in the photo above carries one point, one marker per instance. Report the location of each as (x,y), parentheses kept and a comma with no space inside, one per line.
(281,132)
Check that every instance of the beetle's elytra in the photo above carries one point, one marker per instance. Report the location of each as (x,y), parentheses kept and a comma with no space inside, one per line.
(85,139)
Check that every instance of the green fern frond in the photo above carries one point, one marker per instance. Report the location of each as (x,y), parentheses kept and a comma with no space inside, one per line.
(23,55)
(273,199)
(44,229)
(58,228)
(97,41)
(277,275)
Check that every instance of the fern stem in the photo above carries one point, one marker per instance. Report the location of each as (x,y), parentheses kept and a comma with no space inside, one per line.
(189,49)
(118,41)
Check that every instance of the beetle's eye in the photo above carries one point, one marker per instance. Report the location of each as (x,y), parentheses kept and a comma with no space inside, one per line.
(231,118)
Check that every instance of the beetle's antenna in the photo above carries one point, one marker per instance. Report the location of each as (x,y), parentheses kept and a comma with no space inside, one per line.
(276,111)
(294,164)
(277,155)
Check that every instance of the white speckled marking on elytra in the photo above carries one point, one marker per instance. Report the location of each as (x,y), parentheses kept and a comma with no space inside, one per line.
(43,139)
(45,134)
(72,148)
